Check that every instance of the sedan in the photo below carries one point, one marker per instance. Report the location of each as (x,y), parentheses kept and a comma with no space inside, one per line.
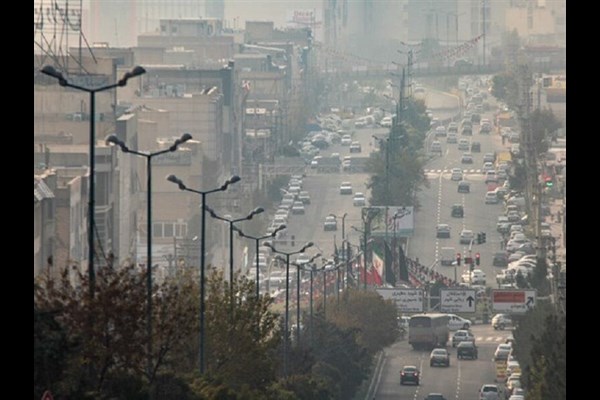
(467,158)
(499,260)
(346,188)
(359,199)
(457,174)
(466,236)
(464,187)
(489,157)
(330,223)
(439,357)
(298,207)
(409,373)
(462,336)
(442,231)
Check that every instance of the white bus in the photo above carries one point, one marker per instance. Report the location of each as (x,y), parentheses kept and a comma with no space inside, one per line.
(428,331)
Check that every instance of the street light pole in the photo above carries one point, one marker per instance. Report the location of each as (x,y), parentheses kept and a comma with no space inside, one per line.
(298,268)
(257,240)
(113,139)
(51,71)
(181,185)
(287,296)
(254,212)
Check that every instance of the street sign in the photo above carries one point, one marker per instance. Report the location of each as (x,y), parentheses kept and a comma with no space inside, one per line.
(513,301)
(407,300)
(47,395)
(457,300)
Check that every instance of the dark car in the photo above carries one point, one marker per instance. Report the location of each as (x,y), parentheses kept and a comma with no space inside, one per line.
(458,211)
(466,349)
(475,118)
(439,357)
(435,396)
(475,147)
(409,373)
(500,260)
(464,187)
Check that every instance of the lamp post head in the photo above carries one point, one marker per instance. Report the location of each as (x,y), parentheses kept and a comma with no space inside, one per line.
(51,71)
(269,245)
(136,71)
(184,138)
(306,246)
(113,139)
(230,181)
(256,211)
(279,228)
(176,180)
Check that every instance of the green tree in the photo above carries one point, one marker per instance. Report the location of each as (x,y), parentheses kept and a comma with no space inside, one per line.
(544,126)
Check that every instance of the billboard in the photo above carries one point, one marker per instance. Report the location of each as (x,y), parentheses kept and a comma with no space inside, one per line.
(384,222)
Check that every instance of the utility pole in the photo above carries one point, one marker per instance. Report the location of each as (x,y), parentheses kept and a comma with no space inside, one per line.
(483,9)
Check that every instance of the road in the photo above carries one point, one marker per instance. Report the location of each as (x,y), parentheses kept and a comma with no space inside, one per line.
(460,381)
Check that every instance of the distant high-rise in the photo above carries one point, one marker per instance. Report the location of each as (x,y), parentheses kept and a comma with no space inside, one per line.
(215,9)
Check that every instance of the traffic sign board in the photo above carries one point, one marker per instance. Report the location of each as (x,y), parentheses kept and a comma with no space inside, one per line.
(512,301)
(457,300)
(407,300)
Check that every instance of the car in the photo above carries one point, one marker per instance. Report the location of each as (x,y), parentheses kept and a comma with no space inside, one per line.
(490,176)
(501,321)
(512,367)
(489,391)
(359,199)
(489,157)
(355,147)
(330,223)
(346,188)
(435,396)
(409,373)
(513,216)
(463,144)
(298,207)
(500,259)
(516,396)
(491,197)
(513,382)
(475,147)
(466,236)
(439,357)
(440,131)
(458,211)
(467,158)
(304,197)
(464,187)
(466,130)
(475,118)
(488,166)
(442,231)
(477,277)
(436,147)
(456,322)
(466,349)
(302,258)
(502,352)
(346,140)
(452,127)
(451,138)
(456,174)
(462,335)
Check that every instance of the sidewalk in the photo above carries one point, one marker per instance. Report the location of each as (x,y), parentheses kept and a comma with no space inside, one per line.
(556,227)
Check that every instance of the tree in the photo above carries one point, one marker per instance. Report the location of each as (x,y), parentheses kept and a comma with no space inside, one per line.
(543,125)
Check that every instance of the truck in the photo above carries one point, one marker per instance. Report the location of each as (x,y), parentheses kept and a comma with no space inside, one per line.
(503,157)
(447,256)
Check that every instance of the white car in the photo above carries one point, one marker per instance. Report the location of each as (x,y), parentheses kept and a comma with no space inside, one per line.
(466,235)
(298,207)
(457,174)
(451,138)
(463,144)
(346,140)
(491,197)
(346,188)
(359,199)
(457,322)
(436,147)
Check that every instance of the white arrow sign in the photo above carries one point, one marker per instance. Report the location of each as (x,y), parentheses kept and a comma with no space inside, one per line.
(457,300)
(407,300)
(513,301)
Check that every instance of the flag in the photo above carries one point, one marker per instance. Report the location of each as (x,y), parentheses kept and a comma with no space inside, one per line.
(402,264)
(390,274)
(376,270)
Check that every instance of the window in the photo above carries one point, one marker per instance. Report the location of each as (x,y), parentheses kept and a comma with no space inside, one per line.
(157,230)
(169,229)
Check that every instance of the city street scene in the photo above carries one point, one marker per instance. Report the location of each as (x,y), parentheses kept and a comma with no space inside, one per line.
(303,199)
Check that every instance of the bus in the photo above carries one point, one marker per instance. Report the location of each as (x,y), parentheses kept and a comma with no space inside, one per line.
(428,331)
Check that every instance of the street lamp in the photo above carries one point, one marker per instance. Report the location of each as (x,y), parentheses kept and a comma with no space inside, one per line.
(400,213)
(287,294)
(62,81)
(258,239)
(148,155)
(223,187)
(248,217)
(313,269)
(298,268)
